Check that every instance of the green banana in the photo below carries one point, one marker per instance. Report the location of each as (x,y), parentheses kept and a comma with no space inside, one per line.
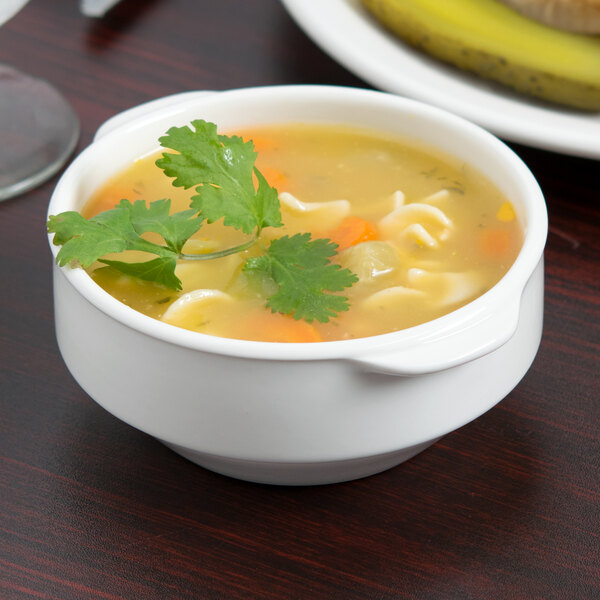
(496,42)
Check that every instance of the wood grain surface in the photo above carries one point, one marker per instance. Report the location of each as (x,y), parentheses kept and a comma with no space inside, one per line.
(508,507)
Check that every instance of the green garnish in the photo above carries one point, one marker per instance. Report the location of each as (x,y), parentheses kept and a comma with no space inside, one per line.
(84,241)
(220,169)
(301,269)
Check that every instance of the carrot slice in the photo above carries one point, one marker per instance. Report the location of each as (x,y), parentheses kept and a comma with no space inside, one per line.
(274,177)
(494,242)
(275,327)
(352,231)
(262,144)
(109,199)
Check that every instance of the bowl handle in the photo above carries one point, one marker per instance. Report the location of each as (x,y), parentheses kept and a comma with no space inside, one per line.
(446,348)
(140,110)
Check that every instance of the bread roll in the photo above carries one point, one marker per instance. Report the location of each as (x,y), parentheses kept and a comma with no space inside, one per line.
(581,16)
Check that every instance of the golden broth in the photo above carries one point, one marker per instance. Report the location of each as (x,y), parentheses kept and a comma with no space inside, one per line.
(432,235)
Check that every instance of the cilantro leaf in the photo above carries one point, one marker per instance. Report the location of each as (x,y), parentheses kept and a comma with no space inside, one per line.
(301,269)
(175,229)
(70,227)
(266,202)
(83,240)
(220,168)
(159,270)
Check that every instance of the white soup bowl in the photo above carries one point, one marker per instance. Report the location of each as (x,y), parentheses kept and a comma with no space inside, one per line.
(302,413)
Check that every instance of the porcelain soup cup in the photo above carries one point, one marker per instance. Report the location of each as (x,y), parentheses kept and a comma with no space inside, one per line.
(302,413)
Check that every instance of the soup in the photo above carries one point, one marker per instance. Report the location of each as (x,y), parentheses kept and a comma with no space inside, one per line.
(423,235)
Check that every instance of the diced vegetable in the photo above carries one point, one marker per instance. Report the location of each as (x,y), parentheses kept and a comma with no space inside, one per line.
(275,327)
(494,242)
(275,178)
(506,213)
(352,231)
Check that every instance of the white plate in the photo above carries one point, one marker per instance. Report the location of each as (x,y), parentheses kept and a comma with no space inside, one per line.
(345,31)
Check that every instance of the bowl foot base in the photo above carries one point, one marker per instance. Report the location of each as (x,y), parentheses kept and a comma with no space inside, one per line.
(299,473)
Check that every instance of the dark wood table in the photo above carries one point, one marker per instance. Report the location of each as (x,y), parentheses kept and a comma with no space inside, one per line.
(508,507)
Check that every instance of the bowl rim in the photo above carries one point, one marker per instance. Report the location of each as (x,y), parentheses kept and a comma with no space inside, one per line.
(509,286)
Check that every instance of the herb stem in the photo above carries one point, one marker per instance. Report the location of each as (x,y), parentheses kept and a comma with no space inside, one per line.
(220,253)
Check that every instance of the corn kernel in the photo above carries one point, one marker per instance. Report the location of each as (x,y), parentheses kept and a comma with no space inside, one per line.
(506,212)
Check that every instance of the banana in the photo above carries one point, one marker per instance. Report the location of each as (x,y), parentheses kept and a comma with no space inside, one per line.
(570,15)
(496,42)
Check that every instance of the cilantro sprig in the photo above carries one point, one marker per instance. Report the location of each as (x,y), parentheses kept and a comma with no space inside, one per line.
(220,169)
(222,173)
(301,269)
(85,241)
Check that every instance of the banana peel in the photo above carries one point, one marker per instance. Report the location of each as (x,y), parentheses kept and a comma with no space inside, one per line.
(490,39)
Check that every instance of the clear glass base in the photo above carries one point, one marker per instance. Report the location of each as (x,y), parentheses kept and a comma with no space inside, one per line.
(38,132)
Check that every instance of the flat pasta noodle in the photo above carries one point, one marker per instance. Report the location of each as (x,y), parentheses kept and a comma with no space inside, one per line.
(432,224)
